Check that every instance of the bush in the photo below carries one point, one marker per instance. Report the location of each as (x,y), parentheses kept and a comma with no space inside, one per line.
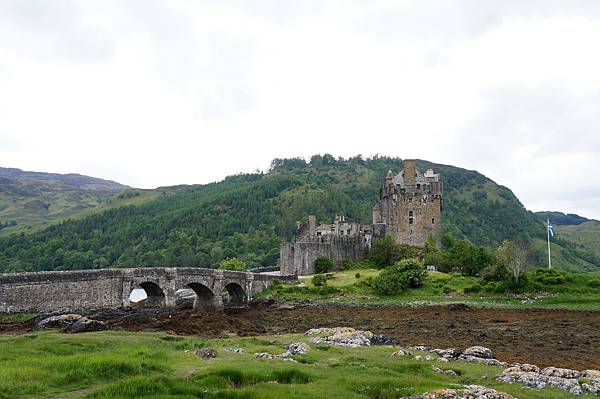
(384,251)
(232,264)
(594,283)
(323,264)
(551,276)
(472,288)
(348,265)
(407,273)
(357,275)
(319,280)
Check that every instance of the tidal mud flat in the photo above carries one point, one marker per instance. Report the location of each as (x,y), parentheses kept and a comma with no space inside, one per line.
(560,338)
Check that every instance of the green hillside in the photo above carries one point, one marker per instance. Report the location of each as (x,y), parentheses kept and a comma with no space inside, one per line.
(30,201)
(247,215)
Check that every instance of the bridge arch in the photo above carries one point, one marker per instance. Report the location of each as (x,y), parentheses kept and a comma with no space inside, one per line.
(155,296)
(234,295)
(205,298)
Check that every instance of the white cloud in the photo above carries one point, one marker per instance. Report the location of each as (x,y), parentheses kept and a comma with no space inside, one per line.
(155,93)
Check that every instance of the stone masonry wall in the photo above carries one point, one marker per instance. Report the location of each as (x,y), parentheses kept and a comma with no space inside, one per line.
(110,288)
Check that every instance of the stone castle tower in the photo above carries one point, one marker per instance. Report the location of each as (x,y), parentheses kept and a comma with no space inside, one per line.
(410,205)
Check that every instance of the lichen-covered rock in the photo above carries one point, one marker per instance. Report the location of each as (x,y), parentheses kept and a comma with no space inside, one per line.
(236,350)
(479,351)
(471,392)
(298,348)
(449,353)
(341,336)
(438,370)
(487,362)
(402,353)
(284,356)
(569,380)
(83,324)
(206,353)
(61,321)
(561,373)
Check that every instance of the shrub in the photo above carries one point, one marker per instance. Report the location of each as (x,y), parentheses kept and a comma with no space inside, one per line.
(348,265)
(472,288)
(594,283)
(357,275)
(384,251)
(323,264)
(319,280)
(551,276)
(407,273)
(232,264)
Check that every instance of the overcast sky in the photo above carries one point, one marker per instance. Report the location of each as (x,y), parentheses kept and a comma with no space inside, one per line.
(153,93)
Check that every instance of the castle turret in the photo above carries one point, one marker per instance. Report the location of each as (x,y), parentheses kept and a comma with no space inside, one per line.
(410,172)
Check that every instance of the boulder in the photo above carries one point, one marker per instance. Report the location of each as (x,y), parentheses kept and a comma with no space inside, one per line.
(206,353)
(471,392)
(561,373)
(60,321)
(438,370)
(479,351)
(341,336)
(450,353)
(298,348)
(83,324)
(402,353)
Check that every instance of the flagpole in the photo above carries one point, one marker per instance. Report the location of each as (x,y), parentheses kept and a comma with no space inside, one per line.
(548,233)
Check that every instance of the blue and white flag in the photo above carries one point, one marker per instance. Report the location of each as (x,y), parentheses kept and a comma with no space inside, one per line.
(550,230)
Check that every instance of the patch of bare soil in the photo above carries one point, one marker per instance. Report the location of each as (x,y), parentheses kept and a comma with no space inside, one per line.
(559,338)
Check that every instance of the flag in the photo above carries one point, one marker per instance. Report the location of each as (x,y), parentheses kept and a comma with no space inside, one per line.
(550,230)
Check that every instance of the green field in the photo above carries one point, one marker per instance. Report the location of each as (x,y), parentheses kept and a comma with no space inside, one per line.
(347,287)
(155,365)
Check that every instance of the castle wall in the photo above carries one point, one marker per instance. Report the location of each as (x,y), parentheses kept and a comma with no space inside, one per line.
(299,257)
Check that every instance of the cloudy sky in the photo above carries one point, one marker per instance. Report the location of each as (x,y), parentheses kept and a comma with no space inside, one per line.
(153,93)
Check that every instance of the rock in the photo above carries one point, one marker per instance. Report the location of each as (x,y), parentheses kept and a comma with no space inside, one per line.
(561,373)
(298,348)
(403,353)
(341,336)
(236,350)
(384,340)
(443,360)
(487,362)
(283,356)
(479,351)
(83,324)
(206,353)
(61,321)
(590,373)
(438,370)
(286,307)
(471,392)
(421,348)
(449,353)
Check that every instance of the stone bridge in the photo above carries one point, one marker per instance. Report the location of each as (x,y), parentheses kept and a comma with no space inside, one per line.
(111,288)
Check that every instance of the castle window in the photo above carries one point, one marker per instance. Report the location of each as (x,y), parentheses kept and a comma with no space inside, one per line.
(410,220)
(432,220)
(418,186)
(410,213)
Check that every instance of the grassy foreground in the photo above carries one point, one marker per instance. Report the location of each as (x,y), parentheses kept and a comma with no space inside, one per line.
(351,286)
(155,365)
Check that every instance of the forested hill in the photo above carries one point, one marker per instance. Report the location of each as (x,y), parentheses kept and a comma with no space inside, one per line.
(247,215)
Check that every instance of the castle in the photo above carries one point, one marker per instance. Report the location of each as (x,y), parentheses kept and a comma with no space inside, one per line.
(409,210)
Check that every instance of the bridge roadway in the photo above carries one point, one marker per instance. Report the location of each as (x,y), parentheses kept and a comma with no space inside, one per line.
(111,288)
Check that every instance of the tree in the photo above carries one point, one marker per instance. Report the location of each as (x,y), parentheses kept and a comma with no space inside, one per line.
(404,274)
(232,264)
(513,255)
(323,264)
(385,251)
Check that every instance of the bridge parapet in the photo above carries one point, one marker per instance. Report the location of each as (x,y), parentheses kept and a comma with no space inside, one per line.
(111,288)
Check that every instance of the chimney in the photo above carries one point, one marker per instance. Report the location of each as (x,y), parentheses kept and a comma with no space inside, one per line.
(410,172)
(312,224)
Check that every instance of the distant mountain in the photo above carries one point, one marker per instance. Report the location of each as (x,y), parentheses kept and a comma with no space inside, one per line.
(248,215)
(31,200)
(562,219)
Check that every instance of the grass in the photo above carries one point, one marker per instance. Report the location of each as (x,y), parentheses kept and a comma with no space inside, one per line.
(135,365)
(440,288)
